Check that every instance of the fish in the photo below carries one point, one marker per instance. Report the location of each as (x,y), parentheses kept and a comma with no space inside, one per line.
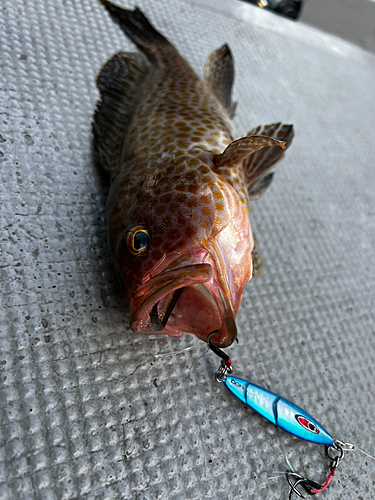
(178,207)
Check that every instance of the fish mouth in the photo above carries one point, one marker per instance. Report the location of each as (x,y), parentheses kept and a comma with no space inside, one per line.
(188,301)
(160,315)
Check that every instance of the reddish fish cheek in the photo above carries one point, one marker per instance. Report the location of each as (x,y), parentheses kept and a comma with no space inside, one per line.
(156,255)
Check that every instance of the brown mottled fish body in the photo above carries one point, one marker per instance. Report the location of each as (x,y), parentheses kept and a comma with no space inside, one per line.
(178,207)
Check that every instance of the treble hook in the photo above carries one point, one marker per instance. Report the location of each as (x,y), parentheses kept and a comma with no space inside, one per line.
(293,489)
(307,484)
(335,453)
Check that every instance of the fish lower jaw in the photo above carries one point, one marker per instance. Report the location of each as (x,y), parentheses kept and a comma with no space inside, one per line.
(195,311)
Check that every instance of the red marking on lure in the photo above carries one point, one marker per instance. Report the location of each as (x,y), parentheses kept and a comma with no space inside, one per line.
(306,424)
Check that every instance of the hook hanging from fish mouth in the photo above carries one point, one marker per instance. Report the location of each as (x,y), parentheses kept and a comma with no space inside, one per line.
(189,304)
(157,323)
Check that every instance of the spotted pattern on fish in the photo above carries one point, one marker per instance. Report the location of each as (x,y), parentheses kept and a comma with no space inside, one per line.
(167,140)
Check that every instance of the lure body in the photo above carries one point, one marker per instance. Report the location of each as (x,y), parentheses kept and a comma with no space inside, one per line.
(279,411)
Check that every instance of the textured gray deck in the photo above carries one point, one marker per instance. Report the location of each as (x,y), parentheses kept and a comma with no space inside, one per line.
(85,411)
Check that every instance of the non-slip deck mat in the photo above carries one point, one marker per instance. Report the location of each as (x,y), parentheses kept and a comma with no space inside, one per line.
(85,410)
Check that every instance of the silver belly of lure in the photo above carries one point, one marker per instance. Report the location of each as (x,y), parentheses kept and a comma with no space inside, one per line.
(287,416)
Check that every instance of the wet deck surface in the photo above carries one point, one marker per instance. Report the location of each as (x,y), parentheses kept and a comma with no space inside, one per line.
(86,412)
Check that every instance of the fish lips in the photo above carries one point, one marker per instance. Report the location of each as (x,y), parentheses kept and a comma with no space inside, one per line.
(181,300)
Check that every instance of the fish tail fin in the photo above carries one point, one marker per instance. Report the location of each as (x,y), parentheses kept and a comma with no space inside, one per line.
(135,25)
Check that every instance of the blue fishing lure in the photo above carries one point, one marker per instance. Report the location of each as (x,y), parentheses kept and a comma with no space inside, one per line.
(286,415)
(279,411)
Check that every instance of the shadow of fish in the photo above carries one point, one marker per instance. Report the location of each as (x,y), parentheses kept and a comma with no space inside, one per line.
(178,207)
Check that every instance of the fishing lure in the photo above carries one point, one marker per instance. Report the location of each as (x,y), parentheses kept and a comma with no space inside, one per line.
(286,415)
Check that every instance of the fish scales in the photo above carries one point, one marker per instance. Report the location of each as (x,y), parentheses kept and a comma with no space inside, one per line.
(178,207)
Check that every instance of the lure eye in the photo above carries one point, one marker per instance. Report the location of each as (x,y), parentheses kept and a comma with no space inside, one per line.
(309,426)
(138,240)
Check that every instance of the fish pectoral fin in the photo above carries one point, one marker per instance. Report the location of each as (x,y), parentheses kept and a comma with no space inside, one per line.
(119,83)
(259,163)
(257,189)
(218,73)
(239,150)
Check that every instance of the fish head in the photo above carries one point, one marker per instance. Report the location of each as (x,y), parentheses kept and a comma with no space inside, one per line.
(181,244)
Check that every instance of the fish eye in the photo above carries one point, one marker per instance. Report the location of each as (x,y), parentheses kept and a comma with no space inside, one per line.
(138,240)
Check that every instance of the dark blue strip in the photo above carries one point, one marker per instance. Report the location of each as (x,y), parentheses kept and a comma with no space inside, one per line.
(274,408)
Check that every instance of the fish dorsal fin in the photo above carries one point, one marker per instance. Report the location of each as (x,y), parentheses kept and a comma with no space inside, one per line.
(218,73)
(239,150)
(260,162)
(119,83)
